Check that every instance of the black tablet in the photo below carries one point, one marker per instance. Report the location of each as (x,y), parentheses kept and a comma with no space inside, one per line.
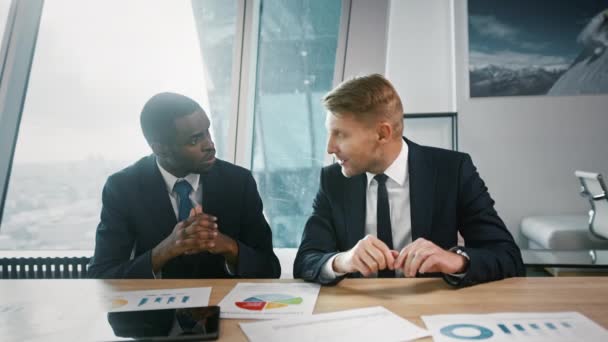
(191,324)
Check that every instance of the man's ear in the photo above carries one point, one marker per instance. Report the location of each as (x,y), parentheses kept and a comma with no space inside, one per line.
(384,131)
(159,149)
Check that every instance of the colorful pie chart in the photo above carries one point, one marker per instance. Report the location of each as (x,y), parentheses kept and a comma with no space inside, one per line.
(118,302)
(268,301)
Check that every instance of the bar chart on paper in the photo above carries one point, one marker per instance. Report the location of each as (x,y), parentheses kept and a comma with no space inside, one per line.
(560,326)
(157,299)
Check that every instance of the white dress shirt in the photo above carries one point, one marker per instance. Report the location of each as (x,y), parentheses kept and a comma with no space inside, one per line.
(398,188)
(196,196)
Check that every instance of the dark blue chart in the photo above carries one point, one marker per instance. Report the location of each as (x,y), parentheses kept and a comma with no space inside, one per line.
(482,333)
(474,332)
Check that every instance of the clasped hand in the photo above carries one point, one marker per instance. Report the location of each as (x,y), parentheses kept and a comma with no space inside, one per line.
(199,233)
(371,255)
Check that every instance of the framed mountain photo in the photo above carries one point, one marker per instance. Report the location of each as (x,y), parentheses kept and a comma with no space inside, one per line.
(540,47)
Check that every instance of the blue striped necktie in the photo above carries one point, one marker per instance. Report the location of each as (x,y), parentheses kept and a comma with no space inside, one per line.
(183,190)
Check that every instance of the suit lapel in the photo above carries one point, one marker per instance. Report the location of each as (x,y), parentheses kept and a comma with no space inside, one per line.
(156,199)
(422,190)
(211,189)
(354,208)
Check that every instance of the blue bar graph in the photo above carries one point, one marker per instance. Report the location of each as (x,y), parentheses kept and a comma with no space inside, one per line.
(504,328)
(158,300)
(509,328)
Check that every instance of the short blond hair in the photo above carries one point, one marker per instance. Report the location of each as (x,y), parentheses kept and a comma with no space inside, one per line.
(367,97)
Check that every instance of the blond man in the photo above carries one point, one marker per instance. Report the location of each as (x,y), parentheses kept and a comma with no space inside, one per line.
(392,208)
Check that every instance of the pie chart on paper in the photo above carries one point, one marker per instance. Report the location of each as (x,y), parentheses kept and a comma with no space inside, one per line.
(268,302)
(118,302)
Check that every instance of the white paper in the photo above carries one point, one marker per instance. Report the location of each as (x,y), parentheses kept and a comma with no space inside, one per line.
(157,299)
(269,300)
(513,326)
(43,321)
(368,324)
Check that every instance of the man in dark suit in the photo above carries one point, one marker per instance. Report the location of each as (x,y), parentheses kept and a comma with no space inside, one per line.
(390,207)
(182,213)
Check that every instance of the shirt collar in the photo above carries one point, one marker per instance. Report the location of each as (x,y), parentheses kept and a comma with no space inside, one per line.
(170,180)
(397,171)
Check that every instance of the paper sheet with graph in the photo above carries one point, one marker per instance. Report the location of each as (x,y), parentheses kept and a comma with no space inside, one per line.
(270,300)
(157,299)
(514,326)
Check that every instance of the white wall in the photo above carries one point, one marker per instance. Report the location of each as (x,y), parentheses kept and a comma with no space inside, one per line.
(366,40)
(525,148)
(419,58)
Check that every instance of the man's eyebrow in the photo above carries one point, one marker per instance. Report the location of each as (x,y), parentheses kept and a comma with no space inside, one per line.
(197,134)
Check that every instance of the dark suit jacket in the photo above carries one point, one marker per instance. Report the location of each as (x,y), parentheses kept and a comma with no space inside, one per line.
(446,196)
(137,215)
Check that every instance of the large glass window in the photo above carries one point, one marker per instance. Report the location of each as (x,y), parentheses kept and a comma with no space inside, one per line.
(95,65)
(295,66)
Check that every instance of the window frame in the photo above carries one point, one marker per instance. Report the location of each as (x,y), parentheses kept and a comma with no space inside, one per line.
(453,116)
(18,45)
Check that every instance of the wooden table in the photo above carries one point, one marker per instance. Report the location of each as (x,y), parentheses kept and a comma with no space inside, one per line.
(409,298)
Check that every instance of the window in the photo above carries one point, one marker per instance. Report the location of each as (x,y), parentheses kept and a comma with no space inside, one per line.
(95,65)
(432,129)
(295,66)
(259,68)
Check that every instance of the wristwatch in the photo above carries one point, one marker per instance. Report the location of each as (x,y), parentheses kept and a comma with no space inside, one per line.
(460,251)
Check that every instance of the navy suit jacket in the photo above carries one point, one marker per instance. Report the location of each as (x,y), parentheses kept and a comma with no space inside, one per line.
(137,215)
(447,196)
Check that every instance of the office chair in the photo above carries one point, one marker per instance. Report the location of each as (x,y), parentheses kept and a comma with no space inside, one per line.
(594,189)
(573,232)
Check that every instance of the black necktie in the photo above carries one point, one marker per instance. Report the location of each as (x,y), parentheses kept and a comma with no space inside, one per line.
(383,219)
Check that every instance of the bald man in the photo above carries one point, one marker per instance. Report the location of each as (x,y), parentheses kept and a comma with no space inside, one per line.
(181,212)
(392,208)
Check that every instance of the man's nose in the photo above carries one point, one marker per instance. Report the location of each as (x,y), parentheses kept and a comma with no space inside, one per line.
(331,147)
(207,144)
